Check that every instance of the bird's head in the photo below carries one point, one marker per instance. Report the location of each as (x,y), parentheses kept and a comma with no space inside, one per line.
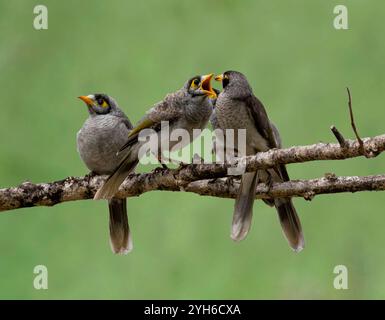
(200,86)
(99,103)
(234,82)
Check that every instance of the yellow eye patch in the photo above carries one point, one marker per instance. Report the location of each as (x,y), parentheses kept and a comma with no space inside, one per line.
(104,104)
(195,83)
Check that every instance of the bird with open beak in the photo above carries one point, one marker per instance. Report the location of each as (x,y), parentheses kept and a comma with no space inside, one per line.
(101,136)
(237,108)
(188,108)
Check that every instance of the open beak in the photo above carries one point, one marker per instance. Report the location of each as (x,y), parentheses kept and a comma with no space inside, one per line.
(89,102)
(219,77)
(206,86)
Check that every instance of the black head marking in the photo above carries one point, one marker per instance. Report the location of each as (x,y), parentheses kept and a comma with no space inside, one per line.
(196,78)
(226,79)
(100,97)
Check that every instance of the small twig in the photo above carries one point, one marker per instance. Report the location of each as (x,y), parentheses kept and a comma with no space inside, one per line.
(340,138)
(361,143)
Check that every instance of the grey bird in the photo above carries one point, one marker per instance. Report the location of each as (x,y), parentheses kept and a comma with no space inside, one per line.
(188,108)
(237,108)
(102,135)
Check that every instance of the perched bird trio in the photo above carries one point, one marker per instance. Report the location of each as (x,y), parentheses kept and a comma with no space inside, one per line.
(109,144)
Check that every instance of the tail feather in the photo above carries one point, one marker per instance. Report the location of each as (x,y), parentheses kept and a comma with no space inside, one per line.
(243,210)
(111,186)
(120,236)
(290,223)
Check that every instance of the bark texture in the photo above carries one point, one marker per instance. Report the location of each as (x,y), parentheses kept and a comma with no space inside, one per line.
(211,179)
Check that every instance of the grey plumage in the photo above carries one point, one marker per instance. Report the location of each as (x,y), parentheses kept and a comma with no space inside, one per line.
(188,108)
(102,135)
(238,108)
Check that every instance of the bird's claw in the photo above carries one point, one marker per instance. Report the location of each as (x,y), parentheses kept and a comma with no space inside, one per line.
(90,175)
(182,164)
(160,169)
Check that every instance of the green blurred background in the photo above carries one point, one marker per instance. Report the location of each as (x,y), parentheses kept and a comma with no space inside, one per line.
(298,65)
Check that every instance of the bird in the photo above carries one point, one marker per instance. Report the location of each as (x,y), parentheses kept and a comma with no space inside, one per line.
(101,136)
(188,108)
(213,98)
(237,108)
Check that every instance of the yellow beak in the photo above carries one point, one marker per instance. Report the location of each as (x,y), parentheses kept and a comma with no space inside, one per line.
(87,100)
(219,77)
(206,85)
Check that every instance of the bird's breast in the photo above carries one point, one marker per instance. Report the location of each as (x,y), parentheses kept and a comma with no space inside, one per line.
(98,141)
(234,115)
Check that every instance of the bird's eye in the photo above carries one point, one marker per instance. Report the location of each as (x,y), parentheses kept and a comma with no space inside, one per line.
(103,103)
(195,83)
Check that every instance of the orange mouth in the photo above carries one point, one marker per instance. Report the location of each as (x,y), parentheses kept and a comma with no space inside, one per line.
(206,86)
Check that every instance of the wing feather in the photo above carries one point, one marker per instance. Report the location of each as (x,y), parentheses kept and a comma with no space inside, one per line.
(169,109)
(266,129)
(261,120)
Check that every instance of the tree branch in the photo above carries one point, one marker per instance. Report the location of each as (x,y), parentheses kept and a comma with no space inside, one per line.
(187,178)
(340,138)
(308,189)
(352,122)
